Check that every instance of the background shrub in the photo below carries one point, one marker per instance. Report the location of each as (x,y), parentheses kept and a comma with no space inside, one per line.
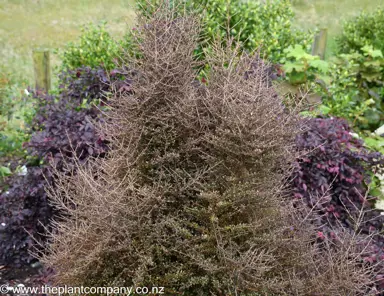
(356,88)
(366,29)
(266,25)
(301,67)
(96,48)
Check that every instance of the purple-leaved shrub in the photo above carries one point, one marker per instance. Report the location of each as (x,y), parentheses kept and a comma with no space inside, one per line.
(331,177)
(62,130)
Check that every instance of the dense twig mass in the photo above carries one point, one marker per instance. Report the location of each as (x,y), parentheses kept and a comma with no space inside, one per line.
(192,194)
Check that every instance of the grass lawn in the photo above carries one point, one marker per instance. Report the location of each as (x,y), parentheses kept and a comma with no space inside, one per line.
(330,14)
(25,24)
(28,24)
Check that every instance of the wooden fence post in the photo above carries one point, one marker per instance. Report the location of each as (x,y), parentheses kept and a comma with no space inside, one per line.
(42,69)
(320,44)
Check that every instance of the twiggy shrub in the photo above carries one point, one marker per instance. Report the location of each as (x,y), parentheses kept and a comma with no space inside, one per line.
(191,195)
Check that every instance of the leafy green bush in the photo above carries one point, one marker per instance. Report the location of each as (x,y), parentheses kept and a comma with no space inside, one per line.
(257,24)
(366,29)
(95,48)
(375,142)
(350,85)
(356,88)
(12,90)
(11,141)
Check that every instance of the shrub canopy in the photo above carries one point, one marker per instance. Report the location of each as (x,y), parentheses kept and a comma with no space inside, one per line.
(191,195)
(366,29)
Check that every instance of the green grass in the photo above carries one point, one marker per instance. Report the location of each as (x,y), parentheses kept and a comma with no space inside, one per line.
(26,24)
(330,14)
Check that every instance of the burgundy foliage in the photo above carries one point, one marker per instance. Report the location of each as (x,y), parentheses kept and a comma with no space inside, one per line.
(63,126)
(331,177)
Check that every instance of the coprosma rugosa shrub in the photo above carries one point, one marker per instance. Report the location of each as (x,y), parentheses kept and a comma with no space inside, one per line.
(192,194)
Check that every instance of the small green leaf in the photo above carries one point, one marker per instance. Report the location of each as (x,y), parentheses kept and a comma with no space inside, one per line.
(377,53)
(371,142)
(4,171)
(289,67)
(297,52)
(375,192)
(320,65)
(324,109)
(369,102)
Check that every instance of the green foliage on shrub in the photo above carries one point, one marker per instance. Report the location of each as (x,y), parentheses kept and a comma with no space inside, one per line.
(356,89)
(95,48)
(14,110)
(366,29)
(374,142)
(11,141)
(11,93)
(351,85)
(256,24)
(301,67)
(4,171)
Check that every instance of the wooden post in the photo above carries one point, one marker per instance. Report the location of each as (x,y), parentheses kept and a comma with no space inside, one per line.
(320,44)
(42,69)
